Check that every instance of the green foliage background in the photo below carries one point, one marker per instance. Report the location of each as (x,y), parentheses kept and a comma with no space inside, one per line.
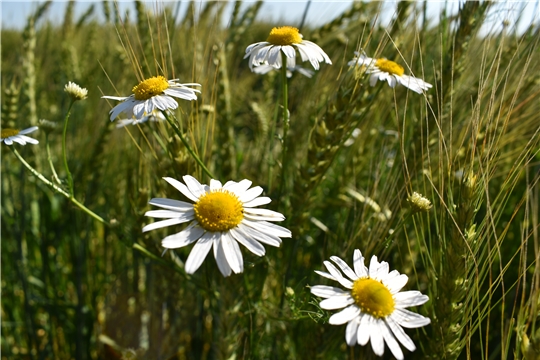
(73,287)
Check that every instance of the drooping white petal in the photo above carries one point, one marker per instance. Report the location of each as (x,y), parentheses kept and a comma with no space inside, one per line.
(232,252)
(257,214)
(268,228)
(219,255)
(268,239)
(244,239)
(326,275)
(344,315)
(351,332)
(377,340)
(400,334)
(364,329)
(390,340)
(199,252)
(185,237)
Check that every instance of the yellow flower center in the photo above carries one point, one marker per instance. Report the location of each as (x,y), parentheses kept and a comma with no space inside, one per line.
(285,35)
(8,132)
(218,211)
(389,67)
(150,87)
(372,297)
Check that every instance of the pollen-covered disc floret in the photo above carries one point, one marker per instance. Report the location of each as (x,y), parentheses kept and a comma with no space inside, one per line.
(387,70)
(285,40)
(218,210)
(153,94)
(9,136)
(221,217)
(373,306)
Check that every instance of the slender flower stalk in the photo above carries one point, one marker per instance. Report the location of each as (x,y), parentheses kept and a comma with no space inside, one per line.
(58,189)
(49,158)
(286,122)
(64,154)
(189,149)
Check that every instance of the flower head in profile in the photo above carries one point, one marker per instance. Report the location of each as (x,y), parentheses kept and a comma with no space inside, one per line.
(221,217)
(286,40)
(155,93)
(75,91)
(392,72)
(373,306)
(419,203)
(153,116)
(9,136)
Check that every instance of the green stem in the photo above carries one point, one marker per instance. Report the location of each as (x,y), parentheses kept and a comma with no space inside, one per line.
(64,135)
(189,149)
(49,158)
(285,93)
(57,188)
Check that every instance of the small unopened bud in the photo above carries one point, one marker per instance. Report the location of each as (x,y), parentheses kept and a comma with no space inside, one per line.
(418,203)
(75,91)
(47,125)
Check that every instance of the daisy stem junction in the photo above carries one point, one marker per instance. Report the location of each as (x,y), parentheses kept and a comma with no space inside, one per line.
(57,188)
(64,135)
(189,149)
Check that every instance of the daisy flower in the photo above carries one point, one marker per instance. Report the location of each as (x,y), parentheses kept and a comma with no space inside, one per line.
(155,93)
(153,116)
(286,40)
(265,69)
(75,91)
(8,136)
(221,217)
(374,307)
(393,73)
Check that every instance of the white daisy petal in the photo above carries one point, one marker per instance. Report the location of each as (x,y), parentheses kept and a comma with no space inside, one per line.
(171,204)
(251,194)
(351,332)
(188,215)
(410,298)
(215,185)
(182,188)
(194,186)
(358,261)
(251,244)
(232,252)
(364,329)
(268,239)
(390,340)
(400,334)
(163,223)
(337,302)
(185,237)
(377,340)
(327,291)
(198,253)
(344,267)
(262,214)
(326,275)
(258,202)
(268,228)
(344,315)
(337,275)
(408,319)
(219,255)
